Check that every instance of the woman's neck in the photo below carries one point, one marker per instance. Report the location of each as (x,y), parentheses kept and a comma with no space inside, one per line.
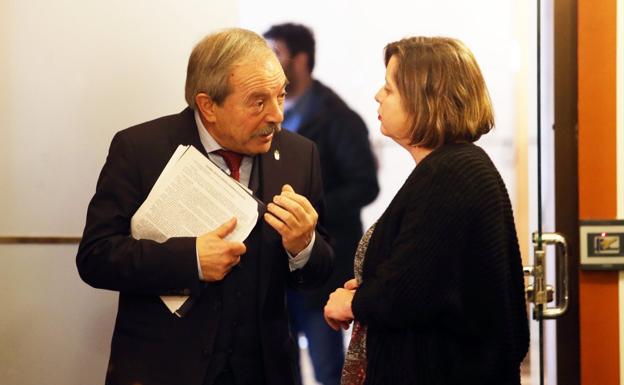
(418,153)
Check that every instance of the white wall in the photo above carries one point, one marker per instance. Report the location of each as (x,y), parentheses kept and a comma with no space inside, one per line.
(350,37)
(72,74)
(76,73)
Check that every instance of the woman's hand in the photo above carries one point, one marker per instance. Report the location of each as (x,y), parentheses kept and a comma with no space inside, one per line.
(351,284)
(337,312)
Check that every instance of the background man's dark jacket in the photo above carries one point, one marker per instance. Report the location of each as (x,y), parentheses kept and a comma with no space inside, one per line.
(349,179)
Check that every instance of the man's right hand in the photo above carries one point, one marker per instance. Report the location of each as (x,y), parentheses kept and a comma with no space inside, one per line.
(216,255)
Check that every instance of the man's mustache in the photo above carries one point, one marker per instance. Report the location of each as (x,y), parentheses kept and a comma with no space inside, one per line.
(269,129)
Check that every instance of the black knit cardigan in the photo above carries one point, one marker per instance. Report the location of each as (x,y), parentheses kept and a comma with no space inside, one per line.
(443,292)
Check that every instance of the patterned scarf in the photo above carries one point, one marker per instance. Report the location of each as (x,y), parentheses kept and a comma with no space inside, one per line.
(354,369)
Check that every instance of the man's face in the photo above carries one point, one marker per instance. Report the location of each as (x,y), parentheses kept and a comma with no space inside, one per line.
(252,113)
(285,58)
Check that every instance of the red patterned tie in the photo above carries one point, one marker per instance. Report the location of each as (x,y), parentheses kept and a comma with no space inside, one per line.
(233,161)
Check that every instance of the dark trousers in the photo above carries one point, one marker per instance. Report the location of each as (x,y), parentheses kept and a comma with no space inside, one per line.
(225,378)
(325,345)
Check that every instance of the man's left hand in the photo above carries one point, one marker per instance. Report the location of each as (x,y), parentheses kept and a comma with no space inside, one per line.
(293,217)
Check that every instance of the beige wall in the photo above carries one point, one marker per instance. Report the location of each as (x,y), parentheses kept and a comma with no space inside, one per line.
(73,73)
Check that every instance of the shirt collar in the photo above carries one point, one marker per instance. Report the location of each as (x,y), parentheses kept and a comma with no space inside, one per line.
(210,145)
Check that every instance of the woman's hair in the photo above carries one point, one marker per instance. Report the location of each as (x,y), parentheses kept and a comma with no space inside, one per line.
(212,59)
(442,89)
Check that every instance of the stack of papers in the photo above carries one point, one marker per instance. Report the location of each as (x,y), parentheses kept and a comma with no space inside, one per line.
(193,196)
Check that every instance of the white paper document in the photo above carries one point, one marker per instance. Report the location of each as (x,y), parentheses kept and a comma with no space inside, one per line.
(192,196)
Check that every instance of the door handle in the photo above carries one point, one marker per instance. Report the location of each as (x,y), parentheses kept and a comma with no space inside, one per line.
(539,292)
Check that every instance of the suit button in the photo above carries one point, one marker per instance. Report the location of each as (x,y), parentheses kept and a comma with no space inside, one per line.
(217,305)
(186,291)
(235,324)
(206,352)
(239,294)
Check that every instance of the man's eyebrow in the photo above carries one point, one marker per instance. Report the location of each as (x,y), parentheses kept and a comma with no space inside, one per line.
(263,93)
(257,94)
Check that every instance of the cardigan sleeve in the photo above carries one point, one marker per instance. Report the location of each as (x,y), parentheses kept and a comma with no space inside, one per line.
(419,280)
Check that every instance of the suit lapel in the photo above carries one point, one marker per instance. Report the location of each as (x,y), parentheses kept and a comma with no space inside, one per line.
(270,171)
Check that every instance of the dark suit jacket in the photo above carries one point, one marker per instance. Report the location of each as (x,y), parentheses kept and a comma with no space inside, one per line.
(349,178)
(150,345)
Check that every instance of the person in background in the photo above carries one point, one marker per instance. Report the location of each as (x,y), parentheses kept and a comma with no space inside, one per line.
(237,331)
(438,296)
(349,182)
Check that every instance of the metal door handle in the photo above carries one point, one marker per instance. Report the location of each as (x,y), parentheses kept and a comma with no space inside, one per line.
(539,292)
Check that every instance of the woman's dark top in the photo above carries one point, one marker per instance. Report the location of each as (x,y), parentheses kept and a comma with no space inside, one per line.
(442,295)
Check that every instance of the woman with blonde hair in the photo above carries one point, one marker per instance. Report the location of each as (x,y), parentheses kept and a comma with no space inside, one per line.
(438,296)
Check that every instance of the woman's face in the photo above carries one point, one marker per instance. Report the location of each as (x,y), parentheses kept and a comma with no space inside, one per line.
(395,120)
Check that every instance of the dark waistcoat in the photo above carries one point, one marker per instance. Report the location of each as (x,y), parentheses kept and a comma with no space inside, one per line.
(238,343)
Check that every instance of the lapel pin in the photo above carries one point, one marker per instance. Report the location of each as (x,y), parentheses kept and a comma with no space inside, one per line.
(276,154)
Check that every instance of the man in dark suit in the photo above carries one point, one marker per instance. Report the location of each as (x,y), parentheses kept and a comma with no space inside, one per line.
(349,181)
(236,330)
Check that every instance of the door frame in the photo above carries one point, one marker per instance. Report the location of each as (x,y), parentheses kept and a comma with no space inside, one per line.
(566,180)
